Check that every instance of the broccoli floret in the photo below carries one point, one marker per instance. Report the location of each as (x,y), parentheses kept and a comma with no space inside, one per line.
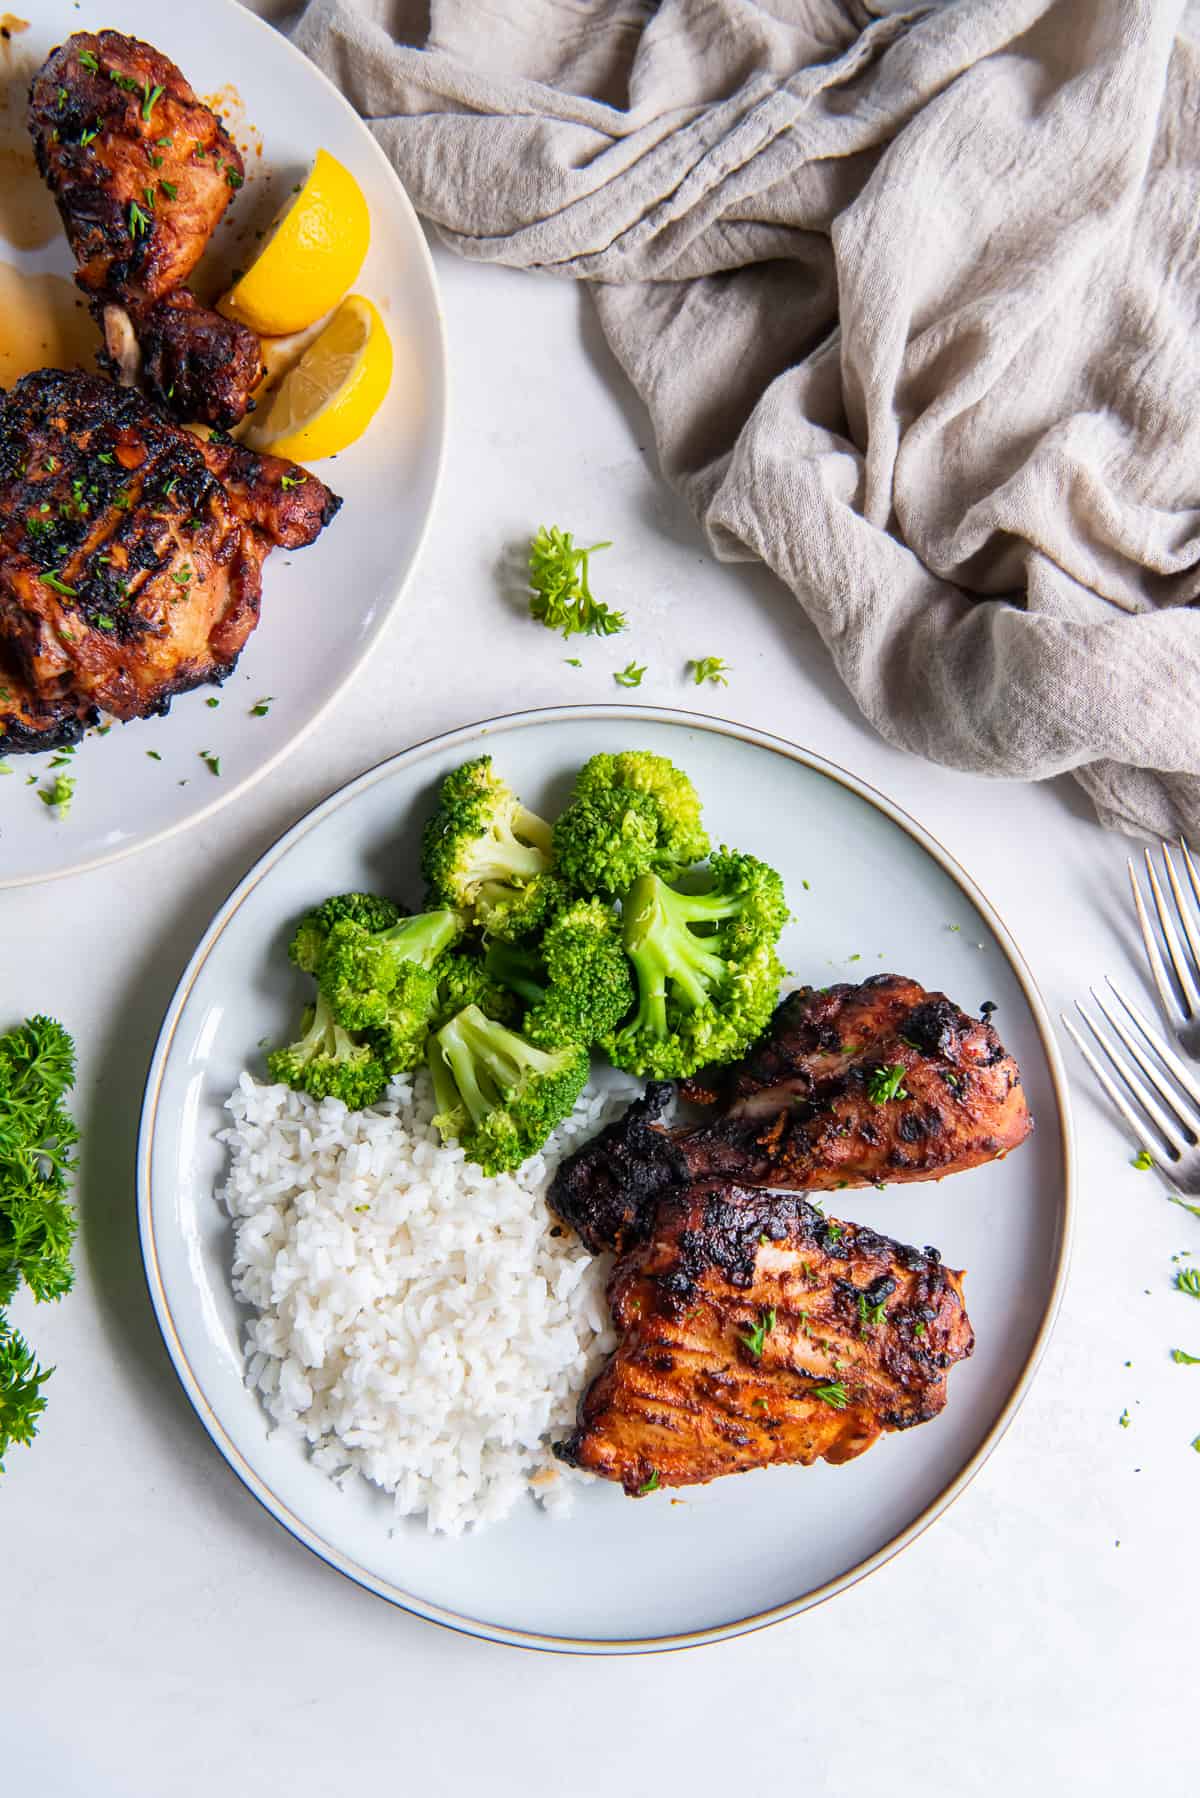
(367,976)
(367,909)
(487,854)
(631,814)
(329,1063)
(463,980)
(577,985)
(706,968)
(497,1092)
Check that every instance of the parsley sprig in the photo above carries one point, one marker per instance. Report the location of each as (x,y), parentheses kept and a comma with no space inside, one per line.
(37,1223)
(560,597)
(709,668)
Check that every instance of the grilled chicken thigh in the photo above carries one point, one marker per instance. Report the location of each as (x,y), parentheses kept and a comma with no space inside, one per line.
(142,172)
(756,1331)
(881,1083)
(130,553)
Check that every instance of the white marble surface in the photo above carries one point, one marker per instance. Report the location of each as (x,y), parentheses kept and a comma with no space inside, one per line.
(162,1637)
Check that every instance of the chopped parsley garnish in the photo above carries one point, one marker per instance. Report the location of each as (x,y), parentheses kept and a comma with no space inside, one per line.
(630,675)
(292,480)
(920,1327)
(650,1485)
(262,706)
(1184,1359)
(1175,1200)
(148,194)
(60,586)
(1195,1443)
(139,221)
(170,189)
(88,61)
(211,762)
(214,701)
(572,661)
(834,1232)
(834,1393)
(149,96)
(1188,1280)
(123,500)
(154,755)
(560,597)
(181,576)
(886,1083)
(234,179)
(1142,1161)
(62,98)
(709,668)
(105,623)
(4,768)
(870,1316)
(125,81)
(758,1333)
(58,794)
(1125,1420)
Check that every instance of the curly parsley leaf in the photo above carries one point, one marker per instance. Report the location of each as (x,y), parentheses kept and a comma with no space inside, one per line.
(560,596)
(709,668)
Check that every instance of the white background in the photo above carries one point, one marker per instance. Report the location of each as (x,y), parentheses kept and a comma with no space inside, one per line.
(161,1637)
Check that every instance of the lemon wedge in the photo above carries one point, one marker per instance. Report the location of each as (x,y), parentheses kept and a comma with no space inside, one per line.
(311,258)
(328,399)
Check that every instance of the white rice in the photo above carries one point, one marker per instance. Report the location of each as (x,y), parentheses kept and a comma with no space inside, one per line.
(415,1321)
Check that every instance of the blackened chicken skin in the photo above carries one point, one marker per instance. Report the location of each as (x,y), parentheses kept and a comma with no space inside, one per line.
(129,570)
(142,171)
(29,724)
(755,1331)
(805,1110)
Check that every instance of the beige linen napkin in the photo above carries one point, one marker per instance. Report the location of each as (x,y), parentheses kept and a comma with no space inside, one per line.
(912,299)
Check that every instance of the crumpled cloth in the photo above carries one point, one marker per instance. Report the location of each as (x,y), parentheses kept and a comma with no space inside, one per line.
(912,299)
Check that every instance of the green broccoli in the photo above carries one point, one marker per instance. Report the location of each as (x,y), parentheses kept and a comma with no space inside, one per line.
(328,1062)
(706,968)
(368,976)
(630,814)
(367,909)
(487,854)
(462,980)
(577,984)
(496,1092)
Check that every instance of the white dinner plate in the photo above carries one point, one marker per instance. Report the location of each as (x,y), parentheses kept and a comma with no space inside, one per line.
(324,607)
(699,1564)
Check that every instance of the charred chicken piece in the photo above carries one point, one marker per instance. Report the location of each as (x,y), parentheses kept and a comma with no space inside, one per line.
(29,724)
(142,171)
(191,360)
(129,571)
(755,1331)
(865,1085)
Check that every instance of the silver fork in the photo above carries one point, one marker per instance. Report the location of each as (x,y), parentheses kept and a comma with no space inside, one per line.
(1179,1002)
(1165,1125)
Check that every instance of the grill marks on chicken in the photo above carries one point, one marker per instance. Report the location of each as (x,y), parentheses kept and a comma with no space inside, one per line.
(142,171)
(129,570)
(801,1111)
(755,1331)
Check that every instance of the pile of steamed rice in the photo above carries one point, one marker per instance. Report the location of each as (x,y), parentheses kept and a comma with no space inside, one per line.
(418,1323)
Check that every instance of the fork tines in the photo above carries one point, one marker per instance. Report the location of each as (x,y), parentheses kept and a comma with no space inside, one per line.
(1181,1004)
(1163,1089)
